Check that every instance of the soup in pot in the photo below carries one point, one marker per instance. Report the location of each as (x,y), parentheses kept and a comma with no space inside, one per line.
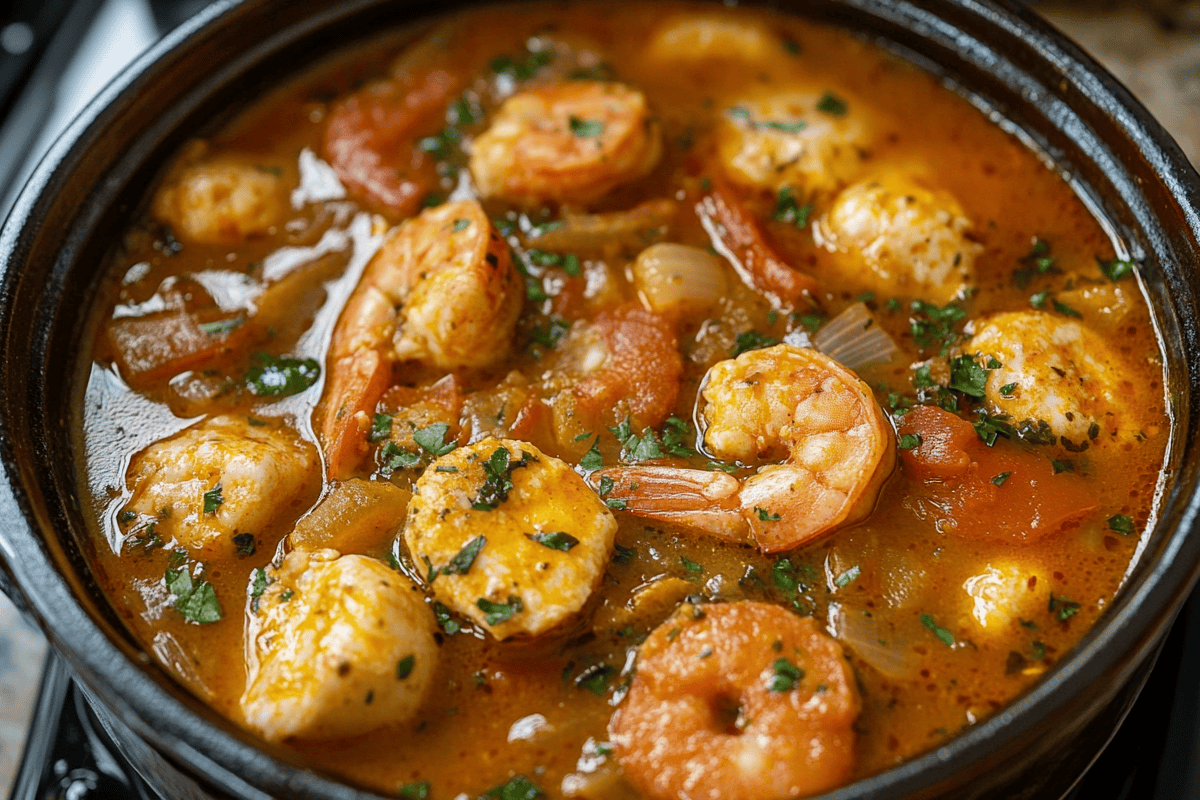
(616,400)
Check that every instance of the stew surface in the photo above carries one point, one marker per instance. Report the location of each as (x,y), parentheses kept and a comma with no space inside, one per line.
(610,400)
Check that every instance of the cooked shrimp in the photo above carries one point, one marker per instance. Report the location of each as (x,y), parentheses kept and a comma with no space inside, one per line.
(743,701)
(224,476)
(737,235)
(784,140)
(710,36)
(626,362)
(223,200)
(335,646)
(1055,370)
(372,135)
(786,404)
(443,291)
(912,241)
(571,143)
(511,538)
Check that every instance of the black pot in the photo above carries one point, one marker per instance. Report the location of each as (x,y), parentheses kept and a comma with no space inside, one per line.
(994,51)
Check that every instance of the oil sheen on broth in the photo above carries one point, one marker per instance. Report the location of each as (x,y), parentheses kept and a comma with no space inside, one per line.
(619,400)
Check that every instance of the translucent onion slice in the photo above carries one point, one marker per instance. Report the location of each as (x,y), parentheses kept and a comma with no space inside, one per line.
(854,339)
(673,277)
(872,639)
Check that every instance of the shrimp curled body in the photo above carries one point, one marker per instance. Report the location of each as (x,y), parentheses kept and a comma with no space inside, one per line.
(738,701)
(830,446)
(441,291)
(568,143)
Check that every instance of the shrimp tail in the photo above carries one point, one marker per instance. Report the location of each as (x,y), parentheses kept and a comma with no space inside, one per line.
(705,501)
(358,380)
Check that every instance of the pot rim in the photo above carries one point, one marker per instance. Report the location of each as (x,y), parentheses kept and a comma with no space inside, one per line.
(161,711)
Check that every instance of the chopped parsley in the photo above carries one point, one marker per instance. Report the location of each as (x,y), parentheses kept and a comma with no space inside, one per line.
(463,559)
(517,788)
(418,790)
(446,622)
(623,555)
(1121,524)
(1007,389)
(433,439)
(381,428)
(592,460)
(941,633)
(1037,261)
(967,376)
(559,540)
(404,666)
(932,325)
(222,326)
(257,587)
(1001,478)
(832,105)
(1062,465)
(1062,608)
(213,500)
(585,129)
(281,376)
(595,678)
(785,676)
(690,566)
(788,210)
(495,613)
(990,426)
(843,580)
(1117,268)
(393,458)
(496,486)
(1065,309)
(751,340)
(908,441)
(195,599)
(461,225)
(524,69)
(765,515)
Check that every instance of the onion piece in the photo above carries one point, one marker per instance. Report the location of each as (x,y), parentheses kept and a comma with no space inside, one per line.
(872,639)
(676,277)
(854,339)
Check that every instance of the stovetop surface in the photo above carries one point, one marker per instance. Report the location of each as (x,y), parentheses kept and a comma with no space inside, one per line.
(61,52)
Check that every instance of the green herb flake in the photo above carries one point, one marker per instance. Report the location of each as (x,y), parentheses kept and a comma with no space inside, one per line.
(461,225)
(418,790)
(495,613)
(909,441)
(967,376)
(785,676)
(496,486)
(281,376)
(1007,389)
(585,129)
(623,555)
(788,210)
(1117,268)
(444,620)
(517,788)
(739,112)
(464,558)
(257,587)
(195,600)
(596,678)
(1001,478)
(946,636)
(213,499)
(786,126)
(988,427)
(555,541)
(1121,524)
(570,265)
(832,105)
(843,580)
(752,340)
(617,503)
(404,666)
(222,326)
(1065,309)
(1062,608)
(1062,465)
(433,439)
(381,428)
(592,460)
(765,515)
(690,566)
